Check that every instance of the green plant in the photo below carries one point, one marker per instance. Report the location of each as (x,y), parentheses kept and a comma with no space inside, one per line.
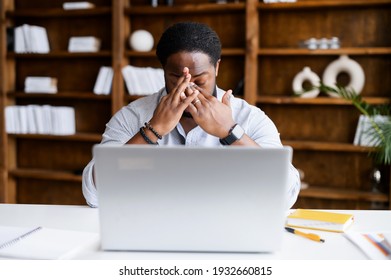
(380,135)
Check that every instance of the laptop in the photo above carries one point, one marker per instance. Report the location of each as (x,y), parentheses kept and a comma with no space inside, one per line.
(193,199)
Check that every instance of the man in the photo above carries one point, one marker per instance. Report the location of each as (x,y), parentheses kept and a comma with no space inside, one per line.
(190,110)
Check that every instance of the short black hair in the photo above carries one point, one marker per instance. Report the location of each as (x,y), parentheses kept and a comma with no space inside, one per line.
(189,37)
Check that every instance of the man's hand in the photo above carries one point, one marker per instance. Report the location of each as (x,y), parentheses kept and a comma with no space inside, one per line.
(213,116)
(171,107)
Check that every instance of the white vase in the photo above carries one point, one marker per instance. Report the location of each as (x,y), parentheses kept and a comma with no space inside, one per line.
(306,75)
(344,65)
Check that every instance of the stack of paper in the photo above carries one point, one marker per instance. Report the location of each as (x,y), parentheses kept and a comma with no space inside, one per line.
(36,119)
(31,39)
(365,132)
(143,80)
(43,243)
(84,44)
(104,80)
(375,245)
(40,85)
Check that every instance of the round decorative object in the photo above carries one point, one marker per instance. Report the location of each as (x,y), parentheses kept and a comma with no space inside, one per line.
(344,65)
(141,41)
(306,75)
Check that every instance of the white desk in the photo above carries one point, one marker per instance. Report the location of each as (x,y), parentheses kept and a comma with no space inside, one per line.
(84,218)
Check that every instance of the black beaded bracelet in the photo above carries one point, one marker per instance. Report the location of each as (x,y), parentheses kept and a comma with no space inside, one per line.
(146,138)
(149,126)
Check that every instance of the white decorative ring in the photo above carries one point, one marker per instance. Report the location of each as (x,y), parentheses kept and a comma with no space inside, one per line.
(306,75)
(344,65)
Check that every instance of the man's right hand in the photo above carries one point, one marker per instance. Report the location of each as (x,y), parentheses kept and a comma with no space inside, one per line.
(171,107)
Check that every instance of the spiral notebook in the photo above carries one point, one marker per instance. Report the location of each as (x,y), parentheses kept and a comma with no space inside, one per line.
(43,243)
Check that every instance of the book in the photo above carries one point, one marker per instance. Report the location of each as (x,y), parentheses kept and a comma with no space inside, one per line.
(375,245)
(104,80)
(40,85)
(77,5)
(84,44)
(40,119)
(143,80)
(319,220)
(31,39)
(365,134)
(43,243)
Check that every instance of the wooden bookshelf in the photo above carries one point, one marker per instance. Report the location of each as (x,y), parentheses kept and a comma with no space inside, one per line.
(260,45)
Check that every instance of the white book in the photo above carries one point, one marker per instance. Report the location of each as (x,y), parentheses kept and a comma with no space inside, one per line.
(55,125)
(148,84)
(26,37)
(22,113)
(368,131)
(140,82)
(108,81)
(10,119)
(20,46)
(84,44)
(40,85)
(357,135)
(68,125)
(39,39)
(126,75)
(143,80)
(101,80)
(63,120)
(77,5)
(31,123)
(46,119)
(158,78)
(43,243)
(40,82)
(16,118)
(39,119)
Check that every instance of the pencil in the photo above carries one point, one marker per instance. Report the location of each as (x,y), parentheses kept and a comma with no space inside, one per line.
(311,236)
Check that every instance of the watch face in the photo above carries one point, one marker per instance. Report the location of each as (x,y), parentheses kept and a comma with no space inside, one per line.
(238,132)
(235,134)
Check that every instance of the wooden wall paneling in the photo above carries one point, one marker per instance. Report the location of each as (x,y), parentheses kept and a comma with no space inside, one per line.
(42,157)
(3,136)
(322,129)
(260,45)
(252,44)
(120,30)
(323,123)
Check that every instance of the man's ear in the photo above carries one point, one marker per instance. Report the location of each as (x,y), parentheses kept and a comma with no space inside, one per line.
(217,67)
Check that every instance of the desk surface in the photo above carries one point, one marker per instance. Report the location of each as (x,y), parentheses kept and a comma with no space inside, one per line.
(83,218)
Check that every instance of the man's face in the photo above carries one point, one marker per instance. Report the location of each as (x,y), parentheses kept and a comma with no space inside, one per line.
(203,73)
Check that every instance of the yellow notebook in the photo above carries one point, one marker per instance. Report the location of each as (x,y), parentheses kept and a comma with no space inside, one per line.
(320,220)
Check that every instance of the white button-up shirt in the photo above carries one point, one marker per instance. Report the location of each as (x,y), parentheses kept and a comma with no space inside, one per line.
(127,122)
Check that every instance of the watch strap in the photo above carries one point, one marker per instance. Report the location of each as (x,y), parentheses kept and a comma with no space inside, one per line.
(231,138)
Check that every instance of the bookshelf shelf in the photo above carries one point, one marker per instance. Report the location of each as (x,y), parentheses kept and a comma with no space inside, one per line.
(271,99)
(78,137)
(152,54)
(185,9)
(59,54)
(322,4)
(327,146)
(44,174)
(60,95)
(328,52)
(49,12)
(340,194)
